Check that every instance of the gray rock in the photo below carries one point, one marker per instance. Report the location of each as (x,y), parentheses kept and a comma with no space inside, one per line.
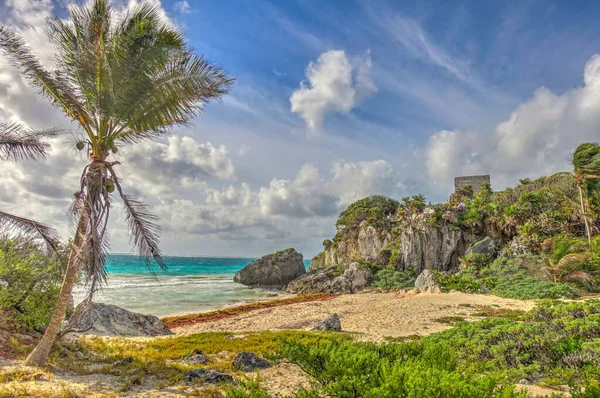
(517,249)
(208,376)
(331,324)
(358,276)
(484,246)
(420,245)
(196,357)
(110,320)
(425,282)
(249,362)
(124,361)
(350,279)
(273,270)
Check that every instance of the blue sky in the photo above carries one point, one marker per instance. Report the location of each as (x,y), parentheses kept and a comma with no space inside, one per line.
(333,101)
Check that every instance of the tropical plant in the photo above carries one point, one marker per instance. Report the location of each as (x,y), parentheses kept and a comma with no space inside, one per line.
(569,259)
(121,80)
(18,142)
(30,280)
(586,172)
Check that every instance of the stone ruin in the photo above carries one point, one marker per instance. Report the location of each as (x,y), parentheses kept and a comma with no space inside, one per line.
(474,181)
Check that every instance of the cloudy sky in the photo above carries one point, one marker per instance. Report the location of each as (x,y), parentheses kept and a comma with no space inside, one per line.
(334,101)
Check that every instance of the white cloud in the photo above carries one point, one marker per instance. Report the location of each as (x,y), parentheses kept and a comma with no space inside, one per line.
(536,139)
(335,84)
(182,7)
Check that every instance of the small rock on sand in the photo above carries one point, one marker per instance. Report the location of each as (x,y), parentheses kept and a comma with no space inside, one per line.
(331,324)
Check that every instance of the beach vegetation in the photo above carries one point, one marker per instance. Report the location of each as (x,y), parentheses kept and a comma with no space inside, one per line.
(30,278)
(391,279)
(122,79)
(520,278)
(474,359)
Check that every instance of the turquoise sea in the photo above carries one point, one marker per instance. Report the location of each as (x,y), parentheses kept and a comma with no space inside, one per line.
(190,284)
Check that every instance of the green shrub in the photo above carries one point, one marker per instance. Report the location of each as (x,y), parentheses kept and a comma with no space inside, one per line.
(508,278)
(377,210)
(29,283)
(476,260)
(391,279)
(553,344)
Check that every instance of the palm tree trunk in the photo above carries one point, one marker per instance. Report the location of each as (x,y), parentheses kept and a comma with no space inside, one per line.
(39,355)
(585,218)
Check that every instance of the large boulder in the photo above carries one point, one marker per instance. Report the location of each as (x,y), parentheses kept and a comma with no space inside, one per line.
(273,270)
(484,246)
(425,282)
(332,280)
(109,320)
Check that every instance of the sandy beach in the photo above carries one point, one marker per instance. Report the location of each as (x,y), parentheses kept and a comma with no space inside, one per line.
(372,316)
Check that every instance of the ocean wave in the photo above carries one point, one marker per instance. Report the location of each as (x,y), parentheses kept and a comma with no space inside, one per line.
(133,283)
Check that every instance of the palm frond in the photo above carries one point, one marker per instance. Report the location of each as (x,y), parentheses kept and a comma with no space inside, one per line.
(142,226)
(53,86)
(19,142)
(31,229)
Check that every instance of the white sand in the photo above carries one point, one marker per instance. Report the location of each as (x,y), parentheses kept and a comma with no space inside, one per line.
(373,316)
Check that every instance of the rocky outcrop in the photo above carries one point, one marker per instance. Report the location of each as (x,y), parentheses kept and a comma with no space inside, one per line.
(273,270)
(331,324)
(249,362)
(439,248)
(426,284)
(367,244)
(332,280)
(110,320)
(485,246)
(416,242)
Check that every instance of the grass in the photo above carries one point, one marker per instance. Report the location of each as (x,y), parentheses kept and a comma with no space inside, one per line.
(191,319)
(160,359)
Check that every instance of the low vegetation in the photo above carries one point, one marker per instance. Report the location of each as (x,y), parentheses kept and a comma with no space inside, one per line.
(29,282)
(555,345)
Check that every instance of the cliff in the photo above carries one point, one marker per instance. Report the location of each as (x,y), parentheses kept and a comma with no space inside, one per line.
(381,231)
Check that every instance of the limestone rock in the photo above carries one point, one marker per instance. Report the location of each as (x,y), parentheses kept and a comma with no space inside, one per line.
(418,244)
(273,270)
(484,246)
(197,357)
(358,276)
(433,247)
(208,376)
(249,362)
(109,320)
(426,284)
(351,279)
(331,324)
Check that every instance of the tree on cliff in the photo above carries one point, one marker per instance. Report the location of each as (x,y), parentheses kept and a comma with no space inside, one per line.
(121,82)
(586,172)
(17,142)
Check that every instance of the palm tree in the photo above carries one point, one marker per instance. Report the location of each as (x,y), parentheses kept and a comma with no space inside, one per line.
(17,142)
(586,172)
(120,81)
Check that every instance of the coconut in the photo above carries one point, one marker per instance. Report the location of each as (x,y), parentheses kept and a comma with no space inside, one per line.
(110,186)
(80,145)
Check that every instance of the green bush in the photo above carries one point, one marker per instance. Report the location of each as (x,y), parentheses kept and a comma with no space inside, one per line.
(377,210)
(391,279)
(556,343)
(518,278)
(29,283)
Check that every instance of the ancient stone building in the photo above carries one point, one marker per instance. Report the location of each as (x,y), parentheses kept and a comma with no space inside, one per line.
(474,181)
